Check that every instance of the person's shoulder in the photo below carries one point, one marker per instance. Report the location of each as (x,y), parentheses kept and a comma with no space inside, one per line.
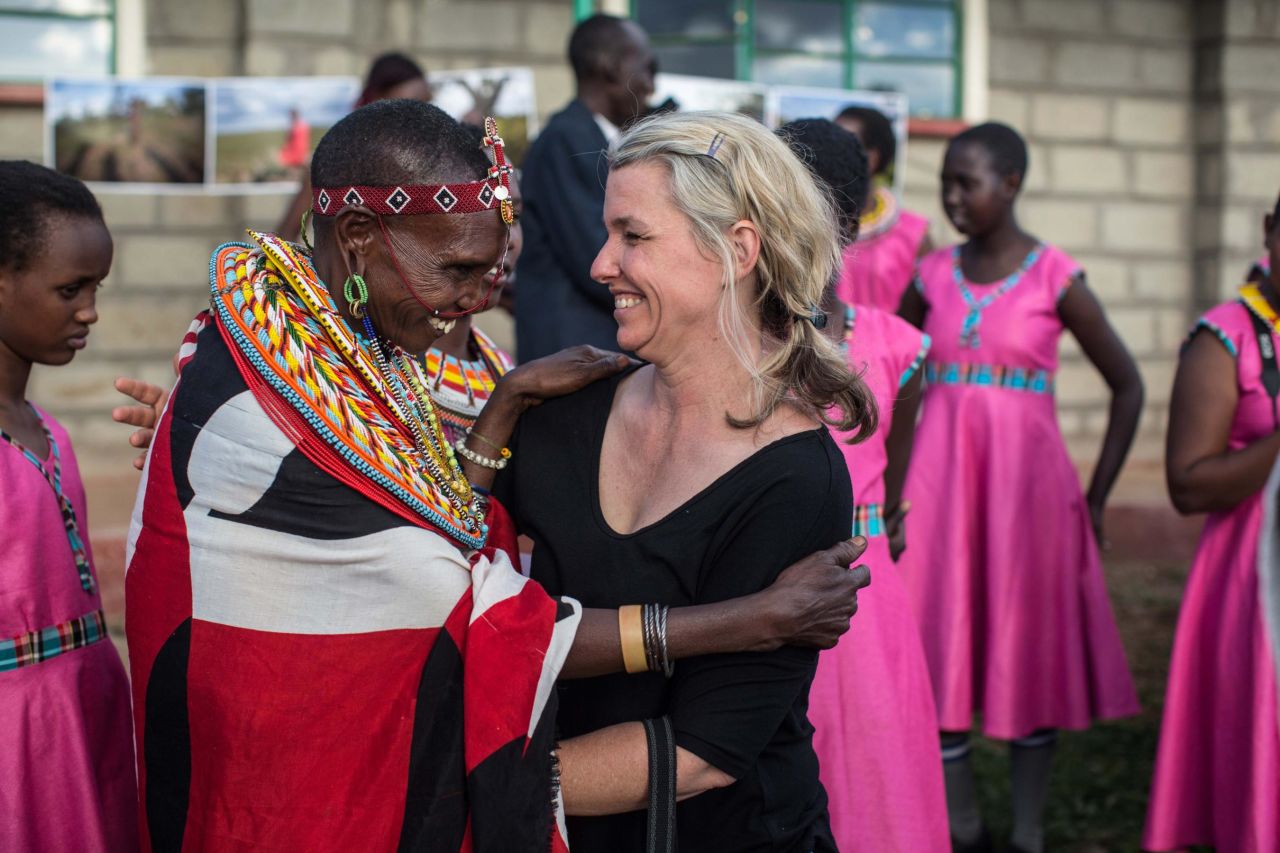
(554,415)
(913,223)
(1057,266)
(935,266)
(1229,322)
(803,467)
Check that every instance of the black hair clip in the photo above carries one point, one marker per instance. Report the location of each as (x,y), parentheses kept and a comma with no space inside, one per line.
(716,142)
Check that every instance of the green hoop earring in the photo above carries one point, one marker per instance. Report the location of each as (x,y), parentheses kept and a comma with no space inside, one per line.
(357,300)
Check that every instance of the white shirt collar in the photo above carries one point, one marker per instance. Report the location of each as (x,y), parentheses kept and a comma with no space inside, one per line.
(608,128)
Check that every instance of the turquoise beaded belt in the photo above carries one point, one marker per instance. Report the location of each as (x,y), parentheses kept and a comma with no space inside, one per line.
(36,646)
(989,375)
(868,520)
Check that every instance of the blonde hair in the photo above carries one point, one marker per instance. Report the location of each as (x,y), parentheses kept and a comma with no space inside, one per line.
(753,175)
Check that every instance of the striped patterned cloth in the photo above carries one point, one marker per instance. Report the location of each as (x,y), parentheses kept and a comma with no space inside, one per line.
(36,646)
(868,520)
(990,375)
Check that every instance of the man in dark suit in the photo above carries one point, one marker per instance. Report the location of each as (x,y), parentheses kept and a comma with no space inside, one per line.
(557,302)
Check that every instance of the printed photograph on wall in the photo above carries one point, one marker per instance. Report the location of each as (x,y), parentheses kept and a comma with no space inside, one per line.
(128,132)
(682,92)
(788,103)
(507,94)
(265,128)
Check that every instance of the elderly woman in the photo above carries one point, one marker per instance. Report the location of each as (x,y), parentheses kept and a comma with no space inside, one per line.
(328,652)
(693,479)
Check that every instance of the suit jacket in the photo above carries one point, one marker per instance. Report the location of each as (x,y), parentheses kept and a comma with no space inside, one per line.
(557,302)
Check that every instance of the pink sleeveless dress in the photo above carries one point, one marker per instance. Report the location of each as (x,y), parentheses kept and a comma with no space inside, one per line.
(1217,775)
(66,744)
(871,703)
(1003,569)
(878,267)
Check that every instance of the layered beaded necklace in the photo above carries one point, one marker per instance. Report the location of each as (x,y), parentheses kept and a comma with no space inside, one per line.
(418,413)
(395,380)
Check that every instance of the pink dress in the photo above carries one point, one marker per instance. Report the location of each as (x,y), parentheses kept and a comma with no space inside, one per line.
(871,703)
(1003,568)
(1217,776)
(879,267)
(66,743)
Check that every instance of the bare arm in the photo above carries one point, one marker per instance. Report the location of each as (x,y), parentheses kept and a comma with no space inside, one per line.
(1082,314)
(1203,475)
(607,772)
(898,444)
(810,605)
(913,308)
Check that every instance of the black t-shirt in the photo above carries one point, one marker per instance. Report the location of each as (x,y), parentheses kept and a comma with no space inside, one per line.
(744,713)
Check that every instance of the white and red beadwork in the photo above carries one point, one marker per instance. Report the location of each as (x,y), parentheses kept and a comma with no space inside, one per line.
(469,197)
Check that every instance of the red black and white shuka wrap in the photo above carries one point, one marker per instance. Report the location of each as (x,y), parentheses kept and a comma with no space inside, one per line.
(323,658)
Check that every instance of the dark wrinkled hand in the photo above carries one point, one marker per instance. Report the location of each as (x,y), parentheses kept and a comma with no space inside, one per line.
(144,416)
(562,373)
(813,600)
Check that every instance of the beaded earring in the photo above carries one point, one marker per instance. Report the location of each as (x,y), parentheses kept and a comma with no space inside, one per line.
(306,240)
(356,293)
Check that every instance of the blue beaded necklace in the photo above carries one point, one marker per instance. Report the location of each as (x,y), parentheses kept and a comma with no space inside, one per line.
(969,331)
(54,478)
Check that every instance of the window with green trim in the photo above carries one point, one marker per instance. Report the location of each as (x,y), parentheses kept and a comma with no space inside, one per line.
(911,46)
(63,37)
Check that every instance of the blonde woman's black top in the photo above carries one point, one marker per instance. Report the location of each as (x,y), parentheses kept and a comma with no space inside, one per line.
(744,713)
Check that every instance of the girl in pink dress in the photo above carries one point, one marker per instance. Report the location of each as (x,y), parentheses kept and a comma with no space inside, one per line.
(1217,775)
(66,746)
(1008,585)
(871,704)
(880,262)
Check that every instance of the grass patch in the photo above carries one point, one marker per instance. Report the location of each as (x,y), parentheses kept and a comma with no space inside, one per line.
(1101,777)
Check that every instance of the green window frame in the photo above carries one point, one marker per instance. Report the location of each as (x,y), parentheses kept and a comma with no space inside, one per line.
(746,51)
(54,11)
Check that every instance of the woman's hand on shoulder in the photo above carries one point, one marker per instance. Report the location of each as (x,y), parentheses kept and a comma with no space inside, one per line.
(556,375)
(145,415)
(812,601)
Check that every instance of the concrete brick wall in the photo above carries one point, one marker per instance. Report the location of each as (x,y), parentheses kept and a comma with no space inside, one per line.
(1103,91)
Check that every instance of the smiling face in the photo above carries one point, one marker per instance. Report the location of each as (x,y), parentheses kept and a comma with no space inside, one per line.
(46,308)
(975,196)
(666,288)
(444,260)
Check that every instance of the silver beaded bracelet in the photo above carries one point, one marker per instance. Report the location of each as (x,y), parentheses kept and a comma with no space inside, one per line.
(471,456)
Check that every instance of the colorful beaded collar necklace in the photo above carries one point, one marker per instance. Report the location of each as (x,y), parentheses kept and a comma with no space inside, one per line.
(969,336)
(881,217)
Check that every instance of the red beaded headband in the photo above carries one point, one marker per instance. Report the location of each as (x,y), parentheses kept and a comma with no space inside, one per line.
(469,197)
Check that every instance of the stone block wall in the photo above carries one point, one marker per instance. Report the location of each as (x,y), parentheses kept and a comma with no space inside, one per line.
(1102,90)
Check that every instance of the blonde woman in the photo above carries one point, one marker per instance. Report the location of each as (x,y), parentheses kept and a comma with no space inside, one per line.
(695,478)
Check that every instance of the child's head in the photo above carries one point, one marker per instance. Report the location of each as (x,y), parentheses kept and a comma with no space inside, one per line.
(875,132)
(836,157)
(981,176)
(54,253)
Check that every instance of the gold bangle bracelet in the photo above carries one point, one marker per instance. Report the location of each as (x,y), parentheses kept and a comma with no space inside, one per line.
(631,634)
